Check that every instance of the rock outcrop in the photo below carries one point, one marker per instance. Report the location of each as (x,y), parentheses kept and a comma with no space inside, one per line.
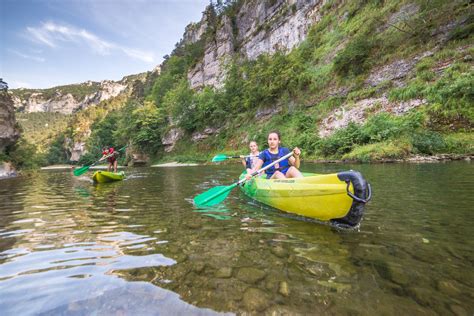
(9,131)
(171,137)
(259,27)
(357,113)
(65,102)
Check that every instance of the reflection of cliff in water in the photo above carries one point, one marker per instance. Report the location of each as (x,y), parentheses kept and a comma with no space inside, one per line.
(12,192)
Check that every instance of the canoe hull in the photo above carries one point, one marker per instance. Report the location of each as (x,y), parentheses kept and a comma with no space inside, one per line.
(322,197)
(105,176)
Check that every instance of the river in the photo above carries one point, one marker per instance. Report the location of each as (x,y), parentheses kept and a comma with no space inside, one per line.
(140,247)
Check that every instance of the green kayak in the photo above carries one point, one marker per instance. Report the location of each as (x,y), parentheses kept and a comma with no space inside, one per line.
(106,176)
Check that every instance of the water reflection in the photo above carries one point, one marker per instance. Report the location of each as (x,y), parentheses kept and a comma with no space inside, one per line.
(139,246)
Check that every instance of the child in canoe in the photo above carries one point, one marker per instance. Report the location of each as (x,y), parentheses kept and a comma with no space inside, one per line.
(249,162)
(287,168)
(111,155)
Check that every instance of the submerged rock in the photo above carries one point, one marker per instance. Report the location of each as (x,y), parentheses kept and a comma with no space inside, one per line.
(7,170)
(283,289)
(449,287)
(279,251)
(224,273)
(250,275)
(255,300)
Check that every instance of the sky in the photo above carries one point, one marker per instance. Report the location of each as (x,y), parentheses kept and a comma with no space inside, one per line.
(46,43)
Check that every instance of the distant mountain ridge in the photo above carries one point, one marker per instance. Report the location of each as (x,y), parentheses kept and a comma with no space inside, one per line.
(71,98)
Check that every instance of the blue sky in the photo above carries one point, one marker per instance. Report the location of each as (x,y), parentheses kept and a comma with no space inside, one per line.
(45,43)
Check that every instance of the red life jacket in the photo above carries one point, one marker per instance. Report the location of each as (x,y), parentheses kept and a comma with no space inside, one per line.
(111,152)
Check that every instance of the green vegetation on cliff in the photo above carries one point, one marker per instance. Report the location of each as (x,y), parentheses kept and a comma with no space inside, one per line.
(78,91)
(352,54)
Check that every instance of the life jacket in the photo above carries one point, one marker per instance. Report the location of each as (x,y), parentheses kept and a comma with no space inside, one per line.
(250,161)
(268,158)
(112,158)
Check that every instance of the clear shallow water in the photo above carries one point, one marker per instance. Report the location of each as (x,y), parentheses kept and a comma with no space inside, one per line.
(139,247)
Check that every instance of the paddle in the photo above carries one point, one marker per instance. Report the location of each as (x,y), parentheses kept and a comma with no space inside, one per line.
(222,157)
(218,194)
(83,169)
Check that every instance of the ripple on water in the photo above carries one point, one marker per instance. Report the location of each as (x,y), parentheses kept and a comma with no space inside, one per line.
(141,247)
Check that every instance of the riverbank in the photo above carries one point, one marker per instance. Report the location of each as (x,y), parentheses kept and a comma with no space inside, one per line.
(410,159)
(65,167)
(174,164)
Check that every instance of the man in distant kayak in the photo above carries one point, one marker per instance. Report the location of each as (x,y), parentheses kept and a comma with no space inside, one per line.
(111,155)
(287,168)
(250,161)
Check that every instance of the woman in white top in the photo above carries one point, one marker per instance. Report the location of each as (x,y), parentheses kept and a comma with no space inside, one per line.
(249,162)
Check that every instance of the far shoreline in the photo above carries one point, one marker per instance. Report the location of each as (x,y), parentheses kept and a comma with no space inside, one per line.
(412,159)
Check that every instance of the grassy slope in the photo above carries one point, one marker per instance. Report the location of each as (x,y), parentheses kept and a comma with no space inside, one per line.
(444,79)
(329,69)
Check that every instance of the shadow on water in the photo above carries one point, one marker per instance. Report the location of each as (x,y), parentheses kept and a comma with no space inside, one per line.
(139,246)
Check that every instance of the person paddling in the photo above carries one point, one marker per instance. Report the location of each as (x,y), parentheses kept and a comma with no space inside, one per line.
(287,168)
(249,162)
(111,155)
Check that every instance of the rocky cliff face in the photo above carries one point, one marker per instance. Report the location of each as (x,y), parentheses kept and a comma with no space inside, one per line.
(259,27)
(65,102)
(9,131)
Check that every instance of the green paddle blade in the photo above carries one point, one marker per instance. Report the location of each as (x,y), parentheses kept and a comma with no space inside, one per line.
(80,171)
(218,158)
(213,196)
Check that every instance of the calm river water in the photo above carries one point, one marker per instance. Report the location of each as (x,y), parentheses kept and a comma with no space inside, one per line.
(139,247)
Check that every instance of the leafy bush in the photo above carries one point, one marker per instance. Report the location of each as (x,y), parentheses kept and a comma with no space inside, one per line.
(342,140)
(460,143)
(428,142)
(353,59)
(56,152)
(24,155)
(377,151)
(381,127)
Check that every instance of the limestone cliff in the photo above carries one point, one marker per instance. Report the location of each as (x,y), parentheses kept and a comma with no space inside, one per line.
(258,27)
(9,131)
(66,99)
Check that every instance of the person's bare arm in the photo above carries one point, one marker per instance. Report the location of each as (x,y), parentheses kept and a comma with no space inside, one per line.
(257,166)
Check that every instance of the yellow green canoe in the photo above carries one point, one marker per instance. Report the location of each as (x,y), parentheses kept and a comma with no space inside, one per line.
(338,197)
(106,176)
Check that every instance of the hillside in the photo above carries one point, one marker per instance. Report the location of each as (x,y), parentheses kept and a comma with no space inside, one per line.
(71,98)
(359,80)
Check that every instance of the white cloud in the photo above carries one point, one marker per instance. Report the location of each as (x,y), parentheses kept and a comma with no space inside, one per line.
(145,56)
(26,56)
(52,34)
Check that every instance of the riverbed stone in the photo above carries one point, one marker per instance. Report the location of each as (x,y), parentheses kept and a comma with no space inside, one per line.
(458,310)
(250,275)
(449,287)
(279,251)
(398,274)
(255,300)
(194,225)
(224,273)
(198,267)
(284,289)
(421,295)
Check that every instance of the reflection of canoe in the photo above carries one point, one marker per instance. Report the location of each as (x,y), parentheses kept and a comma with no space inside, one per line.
(105,176)
(328,197)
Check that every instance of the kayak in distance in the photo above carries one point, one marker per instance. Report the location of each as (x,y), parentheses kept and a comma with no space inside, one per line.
(106,176)
(339,198)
